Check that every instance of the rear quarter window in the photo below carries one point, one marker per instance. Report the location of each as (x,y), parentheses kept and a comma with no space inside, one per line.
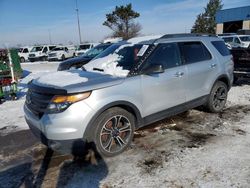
(193,52)
(221,48)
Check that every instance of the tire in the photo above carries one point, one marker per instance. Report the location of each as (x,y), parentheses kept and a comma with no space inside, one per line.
(63,57)
(44,58)
(217,98)
(235,79)
(113,131)
(22,59)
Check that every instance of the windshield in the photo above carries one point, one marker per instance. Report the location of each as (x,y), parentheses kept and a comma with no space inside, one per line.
(120,62)
(58,49)
(95,51)
(109,50)
(83,47)
(37,49)
(245,39)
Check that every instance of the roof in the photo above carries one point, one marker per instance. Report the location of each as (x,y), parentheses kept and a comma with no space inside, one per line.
(233,14)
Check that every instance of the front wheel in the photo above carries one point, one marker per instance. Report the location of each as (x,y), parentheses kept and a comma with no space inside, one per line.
(63,57)
(22,59)
(114,131)
(217,98)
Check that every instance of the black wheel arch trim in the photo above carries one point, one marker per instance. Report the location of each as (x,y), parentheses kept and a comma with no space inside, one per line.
(224,78)
(88,131)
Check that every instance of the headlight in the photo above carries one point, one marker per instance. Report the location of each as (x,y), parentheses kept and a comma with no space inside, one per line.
(60,103)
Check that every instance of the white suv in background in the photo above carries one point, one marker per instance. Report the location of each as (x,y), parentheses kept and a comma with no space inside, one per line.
(82,48)
(237,41)
(40,52)
(61,53)
(24,53)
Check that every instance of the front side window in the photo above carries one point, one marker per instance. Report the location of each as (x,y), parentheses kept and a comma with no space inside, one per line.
(193,52)
(51,47)
(236,40)
(166,55)
(25,50)
(245,39)
(228,39)
(45,49)
(37,49)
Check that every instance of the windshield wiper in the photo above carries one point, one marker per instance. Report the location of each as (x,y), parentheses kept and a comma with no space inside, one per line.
(97,69)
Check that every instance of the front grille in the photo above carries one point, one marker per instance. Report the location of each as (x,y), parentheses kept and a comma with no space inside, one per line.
(32,55)
(37,102)
(52,55)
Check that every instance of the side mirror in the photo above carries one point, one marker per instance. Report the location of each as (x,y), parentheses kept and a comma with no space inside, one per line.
(153,69)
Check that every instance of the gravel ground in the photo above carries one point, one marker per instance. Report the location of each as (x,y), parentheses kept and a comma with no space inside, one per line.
(194,149)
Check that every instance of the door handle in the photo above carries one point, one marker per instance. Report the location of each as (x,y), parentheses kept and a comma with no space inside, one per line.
(179,74)
(213,65)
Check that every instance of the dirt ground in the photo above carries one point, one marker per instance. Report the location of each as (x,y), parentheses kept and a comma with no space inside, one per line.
(193,149)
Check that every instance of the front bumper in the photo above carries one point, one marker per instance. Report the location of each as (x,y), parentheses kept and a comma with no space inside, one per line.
(53,58)
(61,131)
(37,58)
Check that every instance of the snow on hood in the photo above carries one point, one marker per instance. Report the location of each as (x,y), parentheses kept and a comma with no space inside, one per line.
(109,63)
(61,79)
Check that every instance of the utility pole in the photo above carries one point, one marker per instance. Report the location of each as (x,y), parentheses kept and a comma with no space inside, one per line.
(49,37)
(79,29)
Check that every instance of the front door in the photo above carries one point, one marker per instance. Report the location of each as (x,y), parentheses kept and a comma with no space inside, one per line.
(162,91)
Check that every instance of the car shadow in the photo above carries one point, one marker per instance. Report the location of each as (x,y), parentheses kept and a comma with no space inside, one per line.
(81,169)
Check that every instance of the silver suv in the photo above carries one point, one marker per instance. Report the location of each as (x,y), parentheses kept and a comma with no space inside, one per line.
(143,81)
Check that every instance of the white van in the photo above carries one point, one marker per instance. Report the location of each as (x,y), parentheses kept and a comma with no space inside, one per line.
(237,41)
(61,53)
(39,53)
(82,48)
(24,53)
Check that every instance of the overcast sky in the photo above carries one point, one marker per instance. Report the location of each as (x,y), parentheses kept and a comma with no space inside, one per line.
(28,22)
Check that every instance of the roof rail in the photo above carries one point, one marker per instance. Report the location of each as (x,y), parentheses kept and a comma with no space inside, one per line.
(179,35)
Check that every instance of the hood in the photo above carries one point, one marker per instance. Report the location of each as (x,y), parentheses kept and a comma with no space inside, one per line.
(76,81)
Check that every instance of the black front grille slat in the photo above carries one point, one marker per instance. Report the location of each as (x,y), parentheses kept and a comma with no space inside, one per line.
(37,102)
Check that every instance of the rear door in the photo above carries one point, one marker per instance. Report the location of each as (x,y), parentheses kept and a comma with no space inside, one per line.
(164,90)
(201,68)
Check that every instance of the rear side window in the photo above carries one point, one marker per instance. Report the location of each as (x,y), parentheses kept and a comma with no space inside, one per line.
(221,47)
(193,52)
(228,39)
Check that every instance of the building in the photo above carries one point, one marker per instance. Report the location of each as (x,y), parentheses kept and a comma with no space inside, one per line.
(232,20)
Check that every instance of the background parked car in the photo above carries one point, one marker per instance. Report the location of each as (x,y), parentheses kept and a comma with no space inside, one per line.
(237,41)
(61,53)
(241,57)
(99,51)
(24,53)
(83,48)
(40,52)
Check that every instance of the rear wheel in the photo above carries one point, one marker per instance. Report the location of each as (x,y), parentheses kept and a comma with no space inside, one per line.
(63,57)
(114,131)
(217,98)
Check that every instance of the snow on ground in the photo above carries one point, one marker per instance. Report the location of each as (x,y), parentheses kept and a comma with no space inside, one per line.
(12,116)
(196,149)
